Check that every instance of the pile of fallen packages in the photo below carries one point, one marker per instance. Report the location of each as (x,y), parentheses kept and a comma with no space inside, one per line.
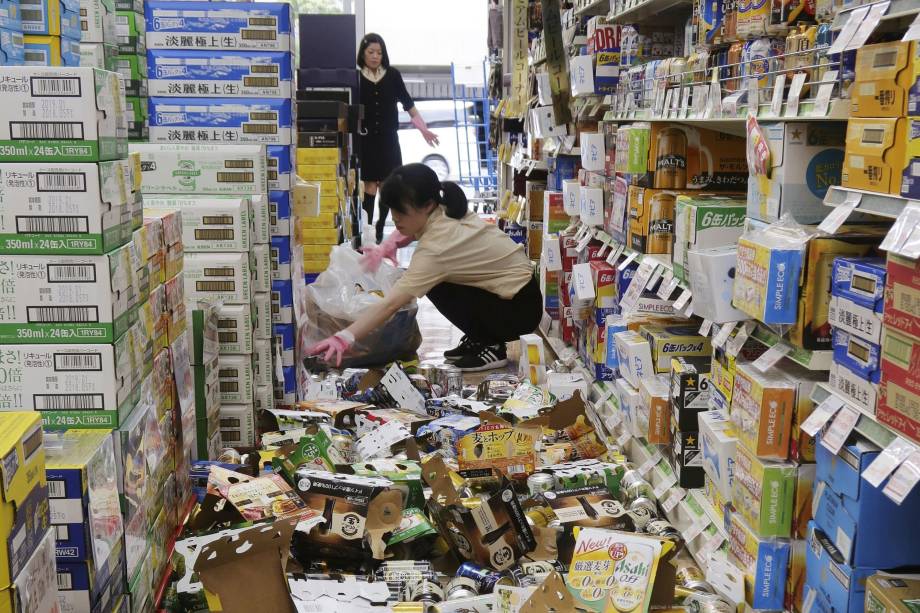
(384,495)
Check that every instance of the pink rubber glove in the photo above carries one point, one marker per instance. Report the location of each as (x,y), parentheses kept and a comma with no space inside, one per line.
(334,347)
(374,255)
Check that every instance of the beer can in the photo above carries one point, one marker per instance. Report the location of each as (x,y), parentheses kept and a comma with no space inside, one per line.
(761,63)
(661,213)
(229,455)
(429,370)
(539,516)
(461,587)
(542,568)
(663,529)
(643,511)
(485,579)
(691,577)
(426,591)
(450,378)
(633,486)
(538,483)
(670,164)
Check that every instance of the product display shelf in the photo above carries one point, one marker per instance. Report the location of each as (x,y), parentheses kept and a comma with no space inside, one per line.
(897,9)
(170,547)
(873,203)
(867,426)
(591,7)
(812,360)
(658,11)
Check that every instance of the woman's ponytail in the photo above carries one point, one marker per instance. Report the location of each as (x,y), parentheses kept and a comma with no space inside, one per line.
(454,200)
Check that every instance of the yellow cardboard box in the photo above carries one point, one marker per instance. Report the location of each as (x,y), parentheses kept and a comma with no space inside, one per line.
(876,153)
(24,510)
(885,74)
(320,236)
(892,594)
(651,218)
(323,220)
(318,172)
(318,155)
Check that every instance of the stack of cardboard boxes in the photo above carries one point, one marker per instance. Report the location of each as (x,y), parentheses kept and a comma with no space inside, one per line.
(27,552)
(52,31)
(221,192)
(131,63)
(12,44)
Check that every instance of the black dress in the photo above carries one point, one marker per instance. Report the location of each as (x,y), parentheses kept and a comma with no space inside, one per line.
(380,153)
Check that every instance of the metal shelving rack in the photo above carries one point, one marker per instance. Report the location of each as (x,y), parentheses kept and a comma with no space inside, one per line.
(476,157)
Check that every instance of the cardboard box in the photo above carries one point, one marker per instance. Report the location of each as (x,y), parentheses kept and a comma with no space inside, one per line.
(69,299)
(10,18)
(84,589)
(237,379)
(96,126)
(805,159)
(763,493)
(97,21)
(99,55)
(280,166)
(284,337)
(214,26)
(685,457)
(53,17)
(718,445)
(835,585)
(12,48)
(237,425)
(131,33)
(764,405)
(46,50)
(73,386)
(176,320)
(133,68)
(876,157)
(221,120)
(669,342)
(651,219)
(704,222)
(34,589)
(654,421)
(857,355)
(209,224)
(767,276)
(202,169)
(689,390)
(886,75)
(635,356)
(902,289)
(218,74)
(860,281)
(63,208)
(262,356)
(280,258)
(279,211)
(137,119)
(24,515)
(262,315)
(282,302)
(83,493)
(764,563)
(234,328)
(899,391)
(890,593)
(226,277)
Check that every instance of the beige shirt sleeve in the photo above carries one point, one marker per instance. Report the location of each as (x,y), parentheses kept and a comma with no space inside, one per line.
(423,274)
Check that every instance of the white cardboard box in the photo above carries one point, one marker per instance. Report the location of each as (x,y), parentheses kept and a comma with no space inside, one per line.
(635,356)
(236,378)
(260,258)
(237,425)
(262,361)
(209,224)
(712,281)
(225,277)
(234,328)
(717,447)
(264,398)
(262,314)
(202,169)
(259,203)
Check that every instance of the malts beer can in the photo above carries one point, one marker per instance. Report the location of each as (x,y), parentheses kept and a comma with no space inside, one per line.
(661,221)
(671,161)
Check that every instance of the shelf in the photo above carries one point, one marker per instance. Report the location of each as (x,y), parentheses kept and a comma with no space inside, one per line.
(867,426)
(898,9)
(658,10)
(812,360)
(591,7)
(873,203)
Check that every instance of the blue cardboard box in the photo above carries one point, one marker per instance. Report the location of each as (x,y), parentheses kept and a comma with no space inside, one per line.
(12,48)
(868,528)
(286,392)
(55,17)
(219,26)
(253,74)
(765,564)
(279,213)
(266,121)
(561,167)
(284,338)
(838,588)
(281,258)
(516,232)
(857,354)
(10,16)
(861,280)
(283,302)
(80,589)
(281,163)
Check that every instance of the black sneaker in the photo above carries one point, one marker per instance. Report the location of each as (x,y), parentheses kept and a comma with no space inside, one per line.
(465,346)
(484,357)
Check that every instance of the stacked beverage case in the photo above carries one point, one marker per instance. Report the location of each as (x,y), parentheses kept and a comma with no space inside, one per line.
(51,33)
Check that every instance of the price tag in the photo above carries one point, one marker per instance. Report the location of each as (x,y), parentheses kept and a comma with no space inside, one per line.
(903,238)
(623,439)
(700,93)
(840,214)
(712,543)
(682,300)
(714,101)
(666,279)
(688,312)
(823,97)
(854,20)
(809,603)
(725,577)
(904,479)
(731,102)
(605,245)
(776,104)
(913,32)
(891,457)
(684,102)
(753,96)
(677,494)
(582,281)
(664,486)
(629,258)
(723,334)
(659,270)
(614,254)
(816,498)
(671,286)
(868,25)
(666,107)
(650,463)
(836,435)
(772,355)
(821,415)
(632,293)
(695,529)
(706,328)
(552,254)
(675,103)
(734,345)
(585,240)
(795,94)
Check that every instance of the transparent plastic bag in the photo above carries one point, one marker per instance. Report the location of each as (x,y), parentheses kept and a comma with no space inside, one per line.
(341,294)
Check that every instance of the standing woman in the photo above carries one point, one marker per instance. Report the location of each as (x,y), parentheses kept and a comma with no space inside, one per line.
(381,87)
(472,272)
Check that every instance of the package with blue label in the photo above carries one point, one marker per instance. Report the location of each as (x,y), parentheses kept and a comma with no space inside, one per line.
(280,258)
(767,274)
(10,16)
(284,342)
(861,281)
(97,21)
(282,302)
(256,74)
(857,354)
(279,212)
(54,17)
(831,584)
(221,120)
(47,50)
(280,166)
(12,48)
(219,26)
(764,563)
(83,491)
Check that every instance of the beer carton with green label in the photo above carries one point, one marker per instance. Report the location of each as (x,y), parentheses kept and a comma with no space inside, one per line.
(202,169)
(704,221)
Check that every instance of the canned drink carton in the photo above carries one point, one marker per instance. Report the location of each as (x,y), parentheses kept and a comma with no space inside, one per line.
(763,493)
(763,405)
(221,120)
(97,21)
(769,264)
(220,26)
(282,305)
(280,166)
(234,328)
(704,222)
(261,314)
(763,561)
(256,74)
(260,260)
(87,123)
(262,355)
(237,378)
(10,15)
(876,157)
(237,425)
(137,119)
(51,17)
(226,277)
(209,224)
(202,169)
(886,80)
(130,33)
(12,48)
(133,69)
(99,55)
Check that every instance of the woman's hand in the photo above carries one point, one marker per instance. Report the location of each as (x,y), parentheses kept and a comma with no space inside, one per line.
(374,255)
(333,347)
(430,137)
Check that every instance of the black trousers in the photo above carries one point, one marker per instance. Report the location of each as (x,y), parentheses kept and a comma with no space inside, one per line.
(484,316)
(368,206)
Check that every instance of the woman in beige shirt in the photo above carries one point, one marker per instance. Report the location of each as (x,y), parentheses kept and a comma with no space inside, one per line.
(472,272)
